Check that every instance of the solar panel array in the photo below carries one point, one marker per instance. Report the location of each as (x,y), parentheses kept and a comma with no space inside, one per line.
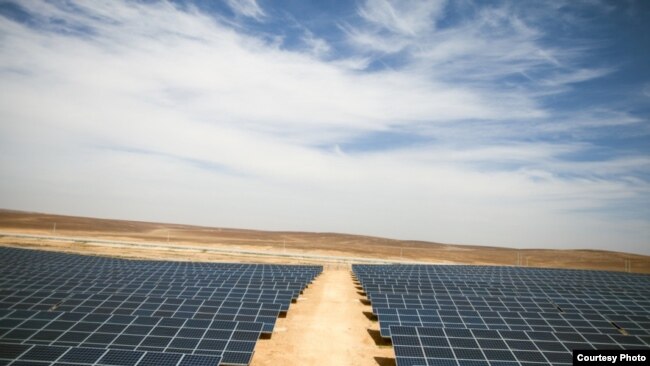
(63,309)
(481,315)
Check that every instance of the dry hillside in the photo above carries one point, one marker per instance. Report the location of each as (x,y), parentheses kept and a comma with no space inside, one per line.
(327,244)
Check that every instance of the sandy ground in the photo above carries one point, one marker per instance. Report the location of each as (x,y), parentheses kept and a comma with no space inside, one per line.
(327,326)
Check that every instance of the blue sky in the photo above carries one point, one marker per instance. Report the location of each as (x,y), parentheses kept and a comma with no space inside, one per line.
(507,123)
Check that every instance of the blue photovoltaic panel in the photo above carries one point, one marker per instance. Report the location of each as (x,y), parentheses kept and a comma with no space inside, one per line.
(194,360)
(12,351)
(512,320)
(121,357)
(18,354)
(124,312)
(473,315)
(83,355)
(432,346)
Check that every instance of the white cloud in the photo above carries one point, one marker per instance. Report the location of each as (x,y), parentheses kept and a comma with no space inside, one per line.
(576,76)
(484,47)
(316,46)
(247,8)
(156,113)
(405,17)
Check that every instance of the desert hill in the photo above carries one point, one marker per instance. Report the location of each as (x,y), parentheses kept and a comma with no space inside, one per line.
(331,245)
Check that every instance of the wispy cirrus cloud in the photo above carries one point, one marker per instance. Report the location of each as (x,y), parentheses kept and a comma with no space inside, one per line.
(407,18)
(405,124)
(247,8)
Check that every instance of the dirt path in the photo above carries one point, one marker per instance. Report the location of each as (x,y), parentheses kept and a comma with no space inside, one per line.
(327,326)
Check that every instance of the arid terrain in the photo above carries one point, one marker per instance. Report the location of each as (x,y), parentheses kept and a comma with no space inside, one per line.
(331,324)
(196,238)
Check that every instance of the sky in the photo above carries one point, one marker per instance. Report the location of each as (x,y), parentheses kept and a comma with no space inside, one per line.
(506,123)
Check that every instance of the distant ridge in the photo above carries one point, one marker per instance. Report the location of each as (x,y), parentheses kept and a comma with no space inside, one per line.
(327,244)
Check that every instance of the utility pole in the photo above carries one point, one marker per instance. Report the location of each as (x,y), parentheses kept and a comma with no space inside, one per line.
(167,236)
(54,229)
(284,245)
(628,266)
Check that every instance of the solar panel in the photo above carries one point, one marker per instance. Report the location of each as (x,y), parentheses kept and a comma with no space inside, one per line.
(19,354)
(83,355)
(121,357)
(434,346)
(512,320)
(479,315)
(459,302)
(59,308)
(266,313)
